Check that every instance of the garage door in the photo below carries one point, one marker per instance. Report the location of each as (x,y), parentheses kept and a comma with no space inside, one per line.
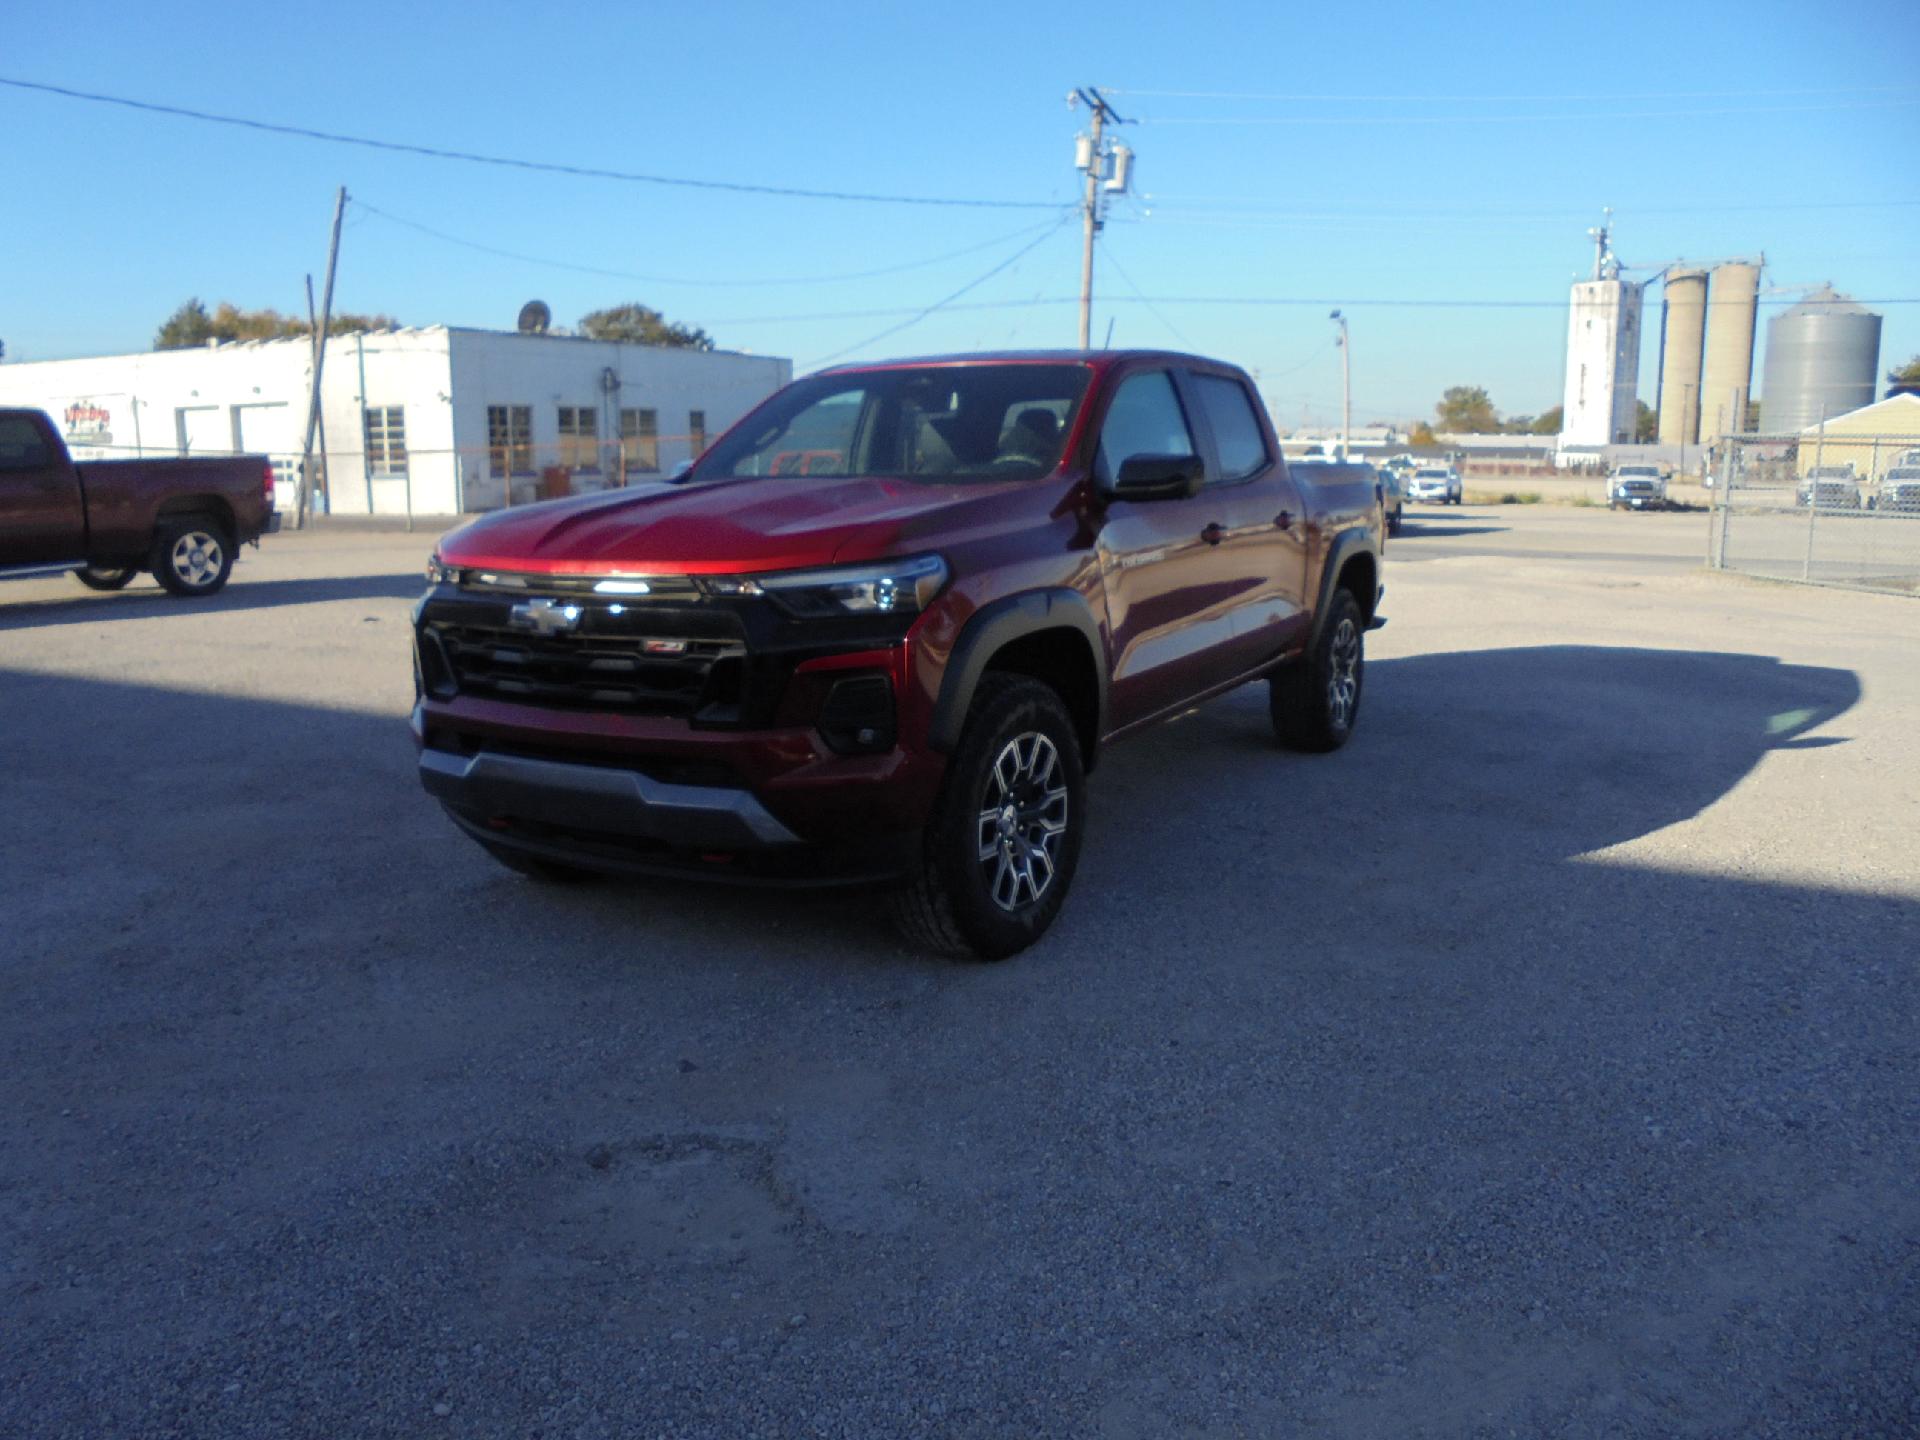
(204,430)
(268,430)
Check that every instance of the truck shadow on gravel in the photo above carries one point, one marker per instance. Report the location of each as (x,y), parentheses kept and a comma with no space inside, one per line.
(1413,528)
(1352,1094)
(144,600)
(1462,762)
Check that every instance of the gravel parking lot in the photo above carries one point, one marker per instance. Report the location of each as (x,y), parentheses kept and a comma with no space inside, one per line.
(1542,1064)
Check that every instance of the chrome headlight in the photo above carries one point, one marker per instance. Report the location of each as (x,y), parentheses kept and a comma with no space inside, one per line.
(883,587)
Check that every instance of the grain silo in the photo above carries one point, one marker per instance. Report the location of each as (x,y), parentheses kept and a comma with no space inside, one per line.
(1823,357)
(1682,337)
(1727,375)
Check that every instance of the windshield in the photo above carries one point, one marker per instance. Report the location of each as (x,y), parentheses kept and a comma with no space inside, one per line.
(934,422)
(1430,475)
(1638,472)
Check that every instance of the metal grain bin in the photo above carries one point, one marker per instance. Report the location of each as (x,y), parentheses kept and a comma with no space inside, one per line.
(1822,355)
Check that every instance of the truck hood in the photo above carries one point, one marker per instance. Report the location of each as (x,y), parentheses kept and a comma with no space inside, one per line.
(729,527)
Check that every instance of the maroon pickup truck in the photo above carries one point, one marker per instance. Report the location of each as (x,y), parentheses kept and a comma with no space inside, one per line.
(108,520)
(885,626)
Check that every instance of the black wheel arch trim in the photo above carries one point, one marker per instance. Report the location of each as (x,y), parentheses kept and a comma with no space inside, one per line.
(1347,544)
(997,625)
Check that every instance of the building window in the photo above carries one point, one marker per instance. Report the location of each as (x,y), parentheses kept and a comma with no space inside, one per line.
(579,437)
(640,439)
(387,441)
(509,440)
(697,431)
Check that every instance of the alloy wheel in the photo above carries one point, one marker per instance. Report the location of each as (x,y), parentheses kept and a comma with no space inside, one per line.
(1343,674)
(1022,821)
(197,558)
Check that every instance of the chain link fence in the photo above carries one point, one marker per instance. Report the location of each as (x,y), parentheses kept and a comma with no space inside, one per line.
(1827,510)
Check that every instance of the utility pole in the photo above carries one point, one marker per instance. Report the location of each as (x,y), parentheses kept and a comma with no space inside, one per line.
(1111,164)
(319,359)
(1346,388)
(313,333)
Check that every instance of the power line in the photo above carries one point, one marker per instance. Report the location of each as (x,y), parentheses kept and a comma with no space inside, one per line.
(1121,271)
(669,280)
(1505,99)
(509,162)
(1224,205)
(1517,119)
(1312,359)
(1265,301)
(942,304)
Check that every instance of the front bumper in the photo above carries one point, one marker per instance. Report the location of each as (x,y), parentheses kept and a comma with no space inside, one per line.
(602,800)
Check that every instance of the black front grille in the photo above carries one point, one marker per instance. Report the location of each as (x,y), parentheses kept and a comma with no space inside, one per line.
(627,674)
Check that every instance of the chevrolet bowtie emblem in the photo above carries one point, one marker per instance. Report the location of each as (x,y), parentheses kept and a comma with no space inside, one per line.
(544,617)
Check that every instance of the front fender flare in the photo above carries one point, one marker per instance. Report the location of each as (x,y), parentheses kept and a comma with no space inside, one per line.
(990,629)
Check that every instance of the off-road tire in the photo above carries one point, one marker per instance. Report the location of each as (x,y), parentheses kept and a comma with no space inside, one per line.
(192,556)
(102,577)
(1305,696)
(947,905)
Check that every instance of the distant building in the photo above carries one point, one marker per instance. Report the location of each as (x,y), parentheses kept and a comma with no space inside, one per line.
(436,420)
(1872,439)
(1598,401)
(1323,442)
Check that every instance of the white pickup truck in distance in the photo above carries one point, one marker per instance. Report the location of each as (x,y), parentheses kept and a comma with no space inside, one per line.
(1636,487)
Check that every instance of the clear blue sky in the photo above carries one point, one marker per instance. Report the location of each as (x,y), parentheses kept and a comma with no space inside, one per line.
(1490,138)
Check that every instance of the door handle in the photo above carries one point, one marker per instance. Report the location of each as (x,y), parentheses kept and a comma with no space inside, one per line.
(1213,534)
(1284,519)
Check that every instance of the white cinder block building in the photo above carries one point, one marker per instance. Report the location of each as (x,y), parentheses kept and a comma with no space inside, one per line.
(433,421)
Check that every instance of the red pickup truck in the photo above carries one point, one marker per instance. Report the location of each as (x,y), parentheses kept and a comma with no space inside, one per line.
(108,520)
(901,658)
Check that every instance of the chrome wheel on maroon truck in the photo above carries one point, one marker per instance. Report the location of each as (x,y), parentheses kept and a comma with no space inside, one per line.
(192,556)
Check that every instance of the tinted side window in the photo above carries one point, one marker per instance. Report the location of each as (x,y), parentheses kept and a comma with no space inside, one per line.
(21,447)
(1236,429)
(1144,419)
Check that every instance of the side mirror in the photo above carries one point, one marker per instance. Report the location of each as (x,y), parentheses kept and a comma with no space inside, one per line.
(680,473)
(1158,477)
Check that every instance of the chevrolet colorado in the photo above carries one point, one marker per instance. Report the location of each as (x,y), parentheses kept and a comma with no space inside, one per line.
(107,520)
(885,626)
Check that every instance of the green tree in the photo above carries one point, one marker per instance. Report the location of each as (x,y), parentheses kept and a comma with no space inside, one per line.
(1467,409)
(191,325)
(1551,423)
(1646,422)
(640,324)
(1422,434)
(1906,379)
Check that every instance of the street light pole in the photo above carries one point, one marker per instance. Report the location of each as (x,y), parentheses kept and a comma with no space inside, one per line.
(1346,387)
